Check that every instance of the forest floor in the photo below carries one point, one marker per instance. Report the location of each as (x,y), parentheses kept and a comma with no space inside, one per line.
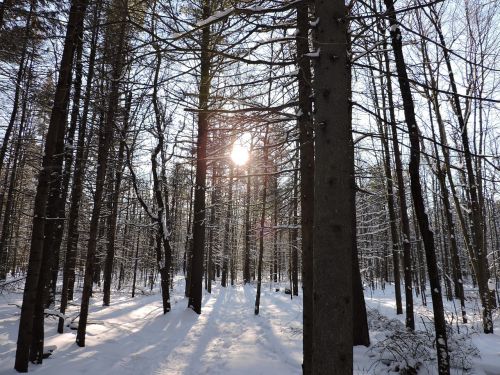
(132,336)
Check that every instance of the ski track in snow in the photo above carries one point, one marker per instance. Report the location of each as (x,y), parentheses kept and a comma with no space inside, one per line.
(132,336)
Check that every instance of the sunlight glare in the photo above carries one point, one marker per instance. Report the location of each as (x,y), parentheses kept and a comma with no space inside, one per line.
(239,154)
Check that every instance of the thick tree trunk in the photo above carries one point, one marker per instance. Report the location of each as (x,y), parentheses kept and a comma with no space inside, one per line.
(333,182)
(306,139)
(55,132)
(196,287)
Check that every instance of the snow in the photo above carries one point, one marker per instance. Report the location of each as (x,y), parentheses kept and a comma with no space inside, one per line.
(314,23)
(492,284)
(215,17)
(314,54)
(132,336)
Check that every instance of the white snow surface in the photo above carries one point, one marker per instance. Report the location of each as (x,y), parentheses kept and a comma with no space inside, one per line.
(132,336)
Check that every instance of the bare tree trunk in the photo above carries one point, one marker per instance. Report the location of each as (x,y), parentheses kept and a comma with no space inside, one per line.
(333,208)
(54,134)
(105,142)
(196,287)
(262,221)
(19,77)
(274,265)
(306,139)
(58,229)
(294,232)
(115,196)
(477,224)
(403,208)
(246,254)
(214,201)
(227,228)
(389,192)
(445,196)
(416,191)
(9,204)
(136,260)
(77,187)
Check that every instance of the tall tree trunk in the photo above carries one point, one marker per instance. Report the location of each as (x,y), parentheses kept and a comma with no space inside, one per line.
(275,261)
(105,142)
(77,186)
(389,191)
(136,259)
(477,223)
(213,203)
(403,208)
(58,227)
(262,221)
(196,287)
(188,245)
(246,251)
(55,133)
(227,228)
(19,77)
(333,182)
(306,139)
(445,196)
(9,204)
(294,232)
(115,197)
(416,191)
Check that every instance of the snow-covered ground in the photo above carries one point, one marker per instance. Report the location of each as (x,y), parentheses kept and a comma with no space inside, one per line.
(132,336)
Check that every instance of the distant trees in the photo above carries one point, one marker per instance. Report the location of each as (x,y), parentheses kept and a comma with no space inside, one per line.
(115,162)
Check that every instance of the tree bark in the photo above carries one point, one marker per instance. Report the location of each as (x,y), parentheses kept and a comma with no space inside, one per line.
(403,208)
(262,221)
(115,197)
(227,228)
(105,142)
(196,287)
(55,132)
(389,185)
(306,139)
(416,191)
(477,223)
(333,182)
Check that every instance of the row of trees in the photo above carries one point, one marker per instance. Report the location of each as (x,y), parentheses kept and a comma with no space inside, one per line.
(372,141)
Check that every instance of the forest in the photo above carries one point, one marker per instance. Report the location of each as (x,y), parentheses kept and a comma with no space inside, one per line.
(250,187)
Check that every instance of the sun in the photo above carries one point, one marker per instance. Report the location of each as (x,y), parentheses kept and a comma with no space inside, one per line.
(239,154)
